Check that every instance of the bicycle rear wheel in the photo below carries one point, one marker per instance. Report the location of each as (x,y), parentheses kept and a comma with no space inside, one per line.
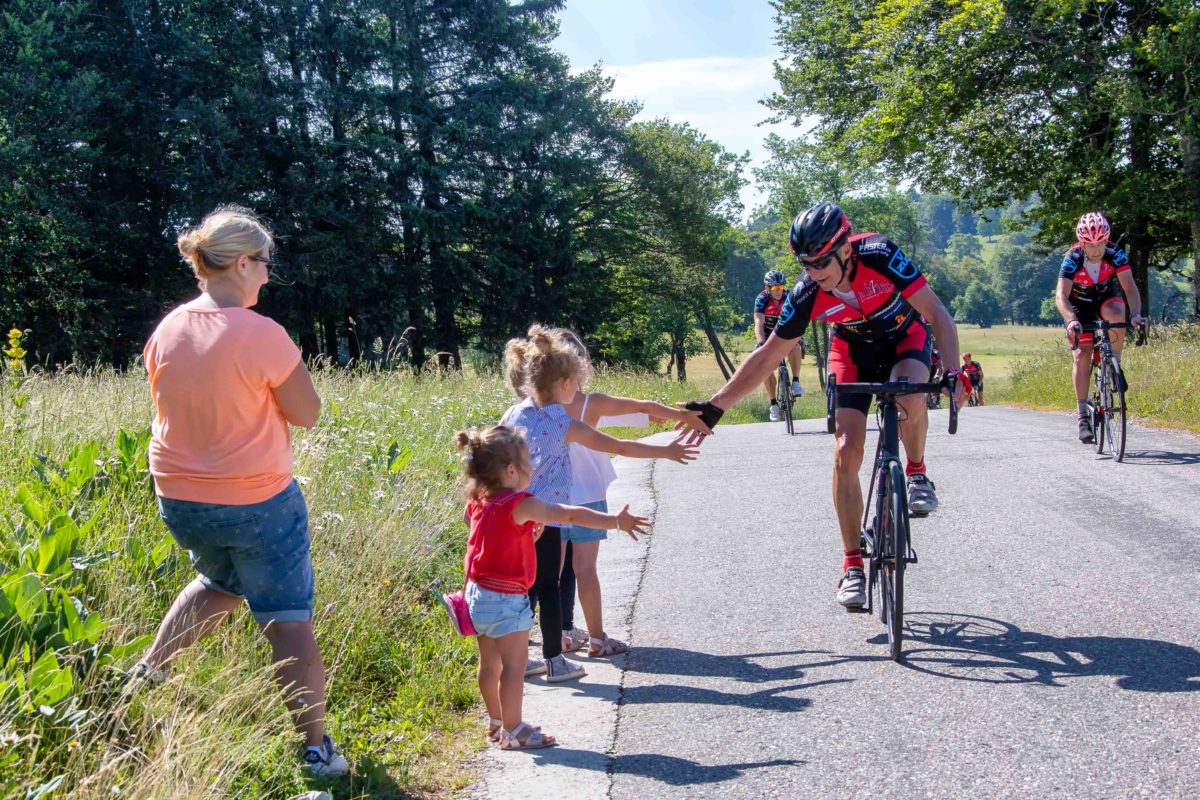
(894,542)
(1114,413)
(1099,412)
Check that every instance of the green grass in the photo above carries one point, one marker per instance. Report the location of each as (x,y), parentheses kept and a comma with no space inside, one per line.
(381,478)
(1164,378)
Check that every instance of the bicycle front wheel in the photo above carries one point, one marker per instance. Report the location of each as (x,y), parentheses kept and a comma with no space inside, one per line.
(894,535)
(783,394)
(1100,413)
(1114,413)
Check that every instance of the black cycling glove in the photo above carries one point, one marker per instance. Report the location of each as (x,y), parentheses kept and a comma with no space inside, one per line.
(710,415)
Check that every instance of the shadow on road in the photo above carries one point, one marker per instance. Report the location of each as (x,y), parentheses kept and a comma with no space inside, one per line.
(1161,458)
(741,666)
(665,769)
(973,648)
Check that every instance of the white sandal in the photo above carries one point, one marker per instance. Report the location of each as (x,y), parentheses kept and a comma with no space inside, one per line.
(606,647)
(533,739)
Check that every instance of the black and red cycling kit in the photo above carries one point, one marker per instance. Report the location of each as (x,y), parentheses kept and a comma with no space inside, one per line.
(874,327)
(769,307)
(974,371)
(1090,292)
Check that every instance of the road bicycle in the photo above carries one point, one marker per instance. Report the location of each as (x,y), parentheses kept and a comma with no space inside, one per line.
(886,544)
(783,395)
(1106,405)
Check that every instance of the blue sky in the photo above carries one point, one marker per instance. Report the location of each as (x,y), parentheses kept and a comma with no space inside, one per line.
(707,63)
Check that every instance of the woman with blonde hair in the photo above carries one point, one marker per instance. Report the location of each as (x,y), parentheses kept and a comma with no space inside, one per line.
(226,383)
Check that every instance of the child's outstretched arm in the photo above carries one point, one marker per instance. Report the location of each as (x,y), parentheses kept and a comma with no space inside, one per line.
(593,439)
(533,509)
(609,406)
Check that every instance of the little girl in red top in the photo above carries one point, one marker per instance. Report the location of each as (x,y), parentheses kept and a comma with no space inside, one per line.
(500,568)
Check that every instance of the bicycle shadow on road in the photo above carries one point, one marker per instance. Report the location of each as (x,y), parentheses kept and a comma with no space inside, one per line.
(1160,458)
(665,769)
(974,648)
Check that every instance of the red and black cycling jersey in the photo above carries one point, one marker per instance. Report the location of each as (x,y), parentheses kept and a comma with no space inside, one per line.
(881,279)
(769,307)
(1086,288)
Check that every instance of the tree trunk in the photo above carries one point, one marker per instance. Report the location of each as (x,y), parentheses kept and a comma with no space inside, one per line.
(680,359)
(1191,171)
(726,365)
(331,338)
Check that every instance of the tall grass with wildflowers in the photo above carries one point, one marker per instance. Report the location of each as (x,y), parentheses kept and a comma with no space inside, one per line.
(87,571)
(1164,378)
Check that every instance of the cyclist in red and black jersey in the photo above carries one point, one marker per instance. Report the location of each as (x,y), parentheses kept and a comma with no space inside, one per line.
(1094,281)
(767,306)
(874,298)
(974,372)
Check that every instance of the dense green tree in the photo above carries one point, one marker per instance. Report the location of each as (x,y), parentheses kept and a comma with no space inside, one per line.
(1085,104)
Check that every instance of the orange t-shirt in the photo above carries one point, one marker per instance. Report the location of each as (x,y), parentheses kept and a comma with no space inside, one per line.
(218,434)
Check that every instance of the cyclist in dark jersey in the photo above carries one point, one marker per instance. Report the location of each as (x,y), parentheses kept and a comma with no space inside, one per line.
(874,298)
(1094,282)
(767,306)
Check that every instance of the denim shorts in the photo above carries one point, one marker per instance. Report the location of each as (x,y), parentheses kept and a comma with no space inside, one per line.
(575,533)
(259,552)
(496,614)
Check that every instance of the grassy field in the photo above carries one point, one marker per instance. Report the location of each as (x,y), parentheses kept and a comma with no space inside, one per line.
(997,348)
(78,528)
(1164,378)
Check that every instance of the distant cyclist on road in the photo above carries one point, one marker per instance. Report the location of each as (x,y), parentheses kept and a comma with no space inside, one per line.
(1095,281)
(874,298)
(767,306)
(974,371)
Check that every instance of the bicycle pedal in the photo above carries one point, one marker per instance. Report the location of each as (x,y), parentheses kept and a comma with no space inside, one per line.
(912,557)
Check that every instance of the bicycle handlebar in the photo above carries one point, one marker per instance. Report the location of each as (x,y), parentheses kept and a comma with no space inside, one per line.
(894,389)
(1105,325)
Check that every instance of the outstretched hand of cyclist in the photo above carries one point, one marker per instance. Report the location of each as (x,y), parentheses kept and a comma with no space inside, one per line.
(633,524)
(709,415)
(694,422)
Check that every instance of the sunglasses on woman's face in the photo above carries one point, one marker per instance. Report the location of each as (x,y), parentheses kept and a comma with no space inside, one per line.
(266,262)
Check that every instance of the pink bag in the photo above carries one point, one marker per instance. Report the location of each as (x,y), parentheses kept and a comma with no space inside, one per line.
(456,607)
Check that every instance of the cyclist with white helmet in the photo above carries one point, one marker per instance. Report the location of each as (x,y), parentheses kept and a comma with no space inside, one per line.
(874,298)
(1095,282)
(767,306)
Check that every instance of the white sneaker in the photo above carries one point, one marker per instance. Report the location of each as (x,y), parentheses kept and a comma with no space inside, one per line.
(797,389)
(559,669)
(852,589)
(325,760)
(535,666)
(921,497)
(775,413)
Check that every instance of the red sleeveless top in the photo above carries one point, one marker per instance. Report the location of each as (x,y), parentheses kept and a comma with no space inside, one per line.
(500,555)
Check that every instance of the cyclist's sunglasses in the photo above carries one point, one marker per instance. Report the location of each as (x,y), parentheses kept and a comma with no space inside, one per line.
(820,263)
(777,286)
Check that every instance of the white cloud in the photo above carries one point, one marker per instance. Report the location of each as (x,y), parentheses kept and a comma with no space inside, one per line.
(719,96)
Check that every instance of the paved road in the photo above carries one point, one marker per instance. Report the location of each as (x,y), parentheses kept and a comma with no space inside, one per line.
(1053,626)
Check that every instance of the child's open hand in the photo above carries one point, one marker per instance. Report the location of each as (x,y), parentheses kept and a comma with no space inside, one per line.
(632,523)
(682,452)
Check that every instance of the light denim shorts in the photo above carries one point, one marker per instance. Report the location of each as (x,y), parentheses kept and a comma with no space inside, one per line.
(496,614)
(575,533)
(259,552)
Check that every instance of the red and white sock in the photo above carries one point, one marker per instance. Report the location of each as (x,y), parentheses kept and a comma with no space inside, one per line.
(915,468)
(853,559)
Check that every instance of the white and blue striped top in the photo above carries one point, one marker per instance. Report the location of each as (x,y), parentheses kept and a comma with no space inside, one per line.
(546,433)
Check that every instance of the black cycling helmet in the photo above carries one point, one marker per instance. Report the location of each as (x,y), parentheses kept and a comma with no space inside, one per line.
(818,230)
(774,278)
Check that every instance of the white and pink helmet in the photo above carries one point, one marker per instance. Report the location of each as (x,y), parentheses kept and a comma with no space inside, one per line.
(1092,228)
